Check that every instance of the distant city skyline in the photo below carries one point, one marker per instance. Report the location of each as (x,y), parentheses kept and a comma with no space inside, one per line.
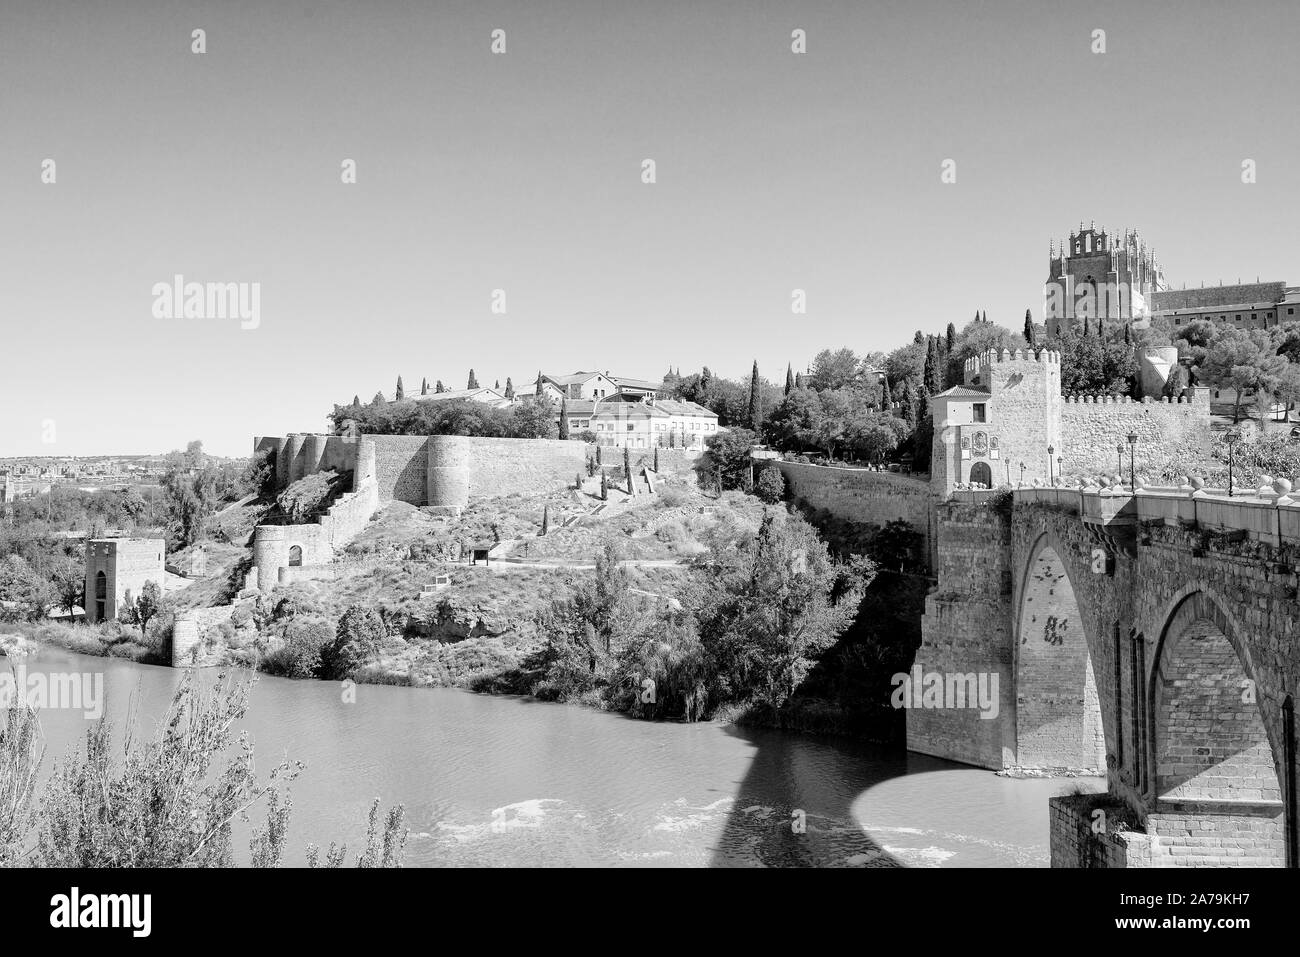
(522,172)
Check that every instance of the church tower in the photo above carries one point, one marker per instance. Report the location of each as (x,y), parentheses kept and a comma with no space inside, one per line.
(1099,275)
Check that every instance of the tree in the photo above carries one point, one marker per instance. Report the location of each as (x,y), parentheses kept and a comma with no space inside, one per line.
(950,338)
(424,386)
(1029,328)
(1176,383)
(772,605)
(438,387)
(1245,362)
(770,486)
(537,389)
(834,369)
(546,518)
(497,386)
(789,378)
(133,504)
(755,416)
(564,418)
(357,639)
(934,373)
(604,486)
(627,468)
(378,400)
(69,580)
(400,392)
(473,380)
(510,388)
(147,605)
(729,454)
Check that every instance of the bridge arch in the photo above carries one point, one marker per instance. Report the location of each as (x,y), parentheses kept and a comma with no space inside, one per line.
(1059,718)
(1211,740)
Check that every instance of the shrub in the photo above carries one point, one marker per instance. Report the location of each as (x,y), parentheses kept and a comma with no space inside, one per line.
(300,654)
(770,486)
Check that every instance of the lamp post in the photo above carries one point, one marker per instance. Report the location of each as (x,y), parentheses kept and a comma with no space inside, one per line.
(1231,437)
(1119,450)
(1132,467)
(1022,473)
(1051,476)
(1060,460)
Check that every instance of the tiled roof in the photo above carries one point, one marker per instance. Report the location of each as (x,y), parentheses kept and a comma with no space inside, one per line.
(963,392)
(492,395)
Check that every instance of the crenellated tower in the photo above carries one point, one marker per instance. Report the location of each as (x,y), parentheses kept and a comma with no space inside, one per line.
(1006,412)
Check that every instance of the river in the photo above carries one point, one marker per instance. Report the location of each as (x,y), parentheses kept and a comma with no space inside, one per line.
(495,781)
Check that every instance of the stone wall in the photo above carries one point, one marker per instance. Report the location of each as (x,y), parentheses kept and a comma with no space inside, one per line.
(1080,837)
(401,468)
(861,495)
(1169,432)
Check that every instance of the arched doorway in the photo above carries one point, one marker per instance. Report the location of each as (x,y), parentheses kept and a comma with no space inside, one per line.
(295,555)
(101,596)
(981,474)
(1058,708)
(1213,759)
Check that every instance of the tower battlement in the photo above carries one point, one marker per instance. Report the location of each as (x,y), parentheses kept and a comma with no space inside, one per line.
(991,357)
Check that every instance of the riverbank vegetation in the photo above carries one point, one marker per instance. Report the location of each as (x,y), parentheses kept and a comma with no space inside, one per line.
(167,801)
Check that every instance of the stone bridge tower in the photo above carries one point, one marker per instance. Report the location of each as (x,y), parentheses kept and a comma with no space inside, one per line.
(998,426)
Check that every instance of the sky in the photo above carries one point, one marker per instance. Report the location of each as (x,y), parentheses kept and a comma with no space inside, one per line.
(522,171)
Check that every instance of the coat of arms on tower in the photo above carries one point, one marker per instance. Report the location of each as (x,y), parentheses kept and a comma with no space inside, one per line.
(981,444)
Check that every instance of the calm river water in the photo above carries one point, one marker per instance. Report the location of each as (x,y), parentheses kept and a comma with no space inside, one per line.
(513,782)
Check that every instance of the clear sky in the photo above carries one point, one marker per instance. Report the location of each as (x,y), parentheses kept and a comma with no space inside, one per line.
(522,172)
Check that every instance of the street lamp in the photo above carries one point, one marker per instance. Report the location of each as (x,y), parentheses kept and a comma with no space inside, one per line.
(1022,473)
(1060,460)
(1232,436)
(1119,450)
(1132,468)
(1051,476)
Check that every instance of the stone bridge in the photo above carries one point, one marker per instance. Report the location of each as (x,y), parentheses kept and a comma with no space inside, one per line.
(1153,638)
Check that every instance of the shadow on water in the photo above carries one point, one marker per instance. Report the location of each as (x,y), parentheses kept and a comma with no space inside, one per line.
(795,805)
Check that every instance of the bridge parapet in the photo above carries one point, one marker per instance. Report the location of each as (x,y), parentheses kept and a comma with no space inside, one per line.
(1263,514)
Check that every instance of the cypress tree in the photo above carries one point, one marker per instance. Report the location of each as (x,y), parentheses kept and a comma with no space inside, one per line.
(977,315)
(951,341)
(604,485)
(1100,329)
(789,378)
(538,390)
(933,368)
(473,380)
(546,518)
(498,385)
(356,401)
(798,380)
(400,394)
(1029,328)
(706,380)
(656,459)
(564,418)
(920,338)
(424,387)
(378,400)
(510,388)
(577,481)
(1086,327)
(985,316)
(438,387)
(1128,334)
(755,401)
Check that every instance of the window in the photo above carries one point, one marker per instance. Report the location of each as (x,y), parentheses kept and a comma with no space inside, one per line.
(101,596)
(295,556)
(977,412)
(631,427)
